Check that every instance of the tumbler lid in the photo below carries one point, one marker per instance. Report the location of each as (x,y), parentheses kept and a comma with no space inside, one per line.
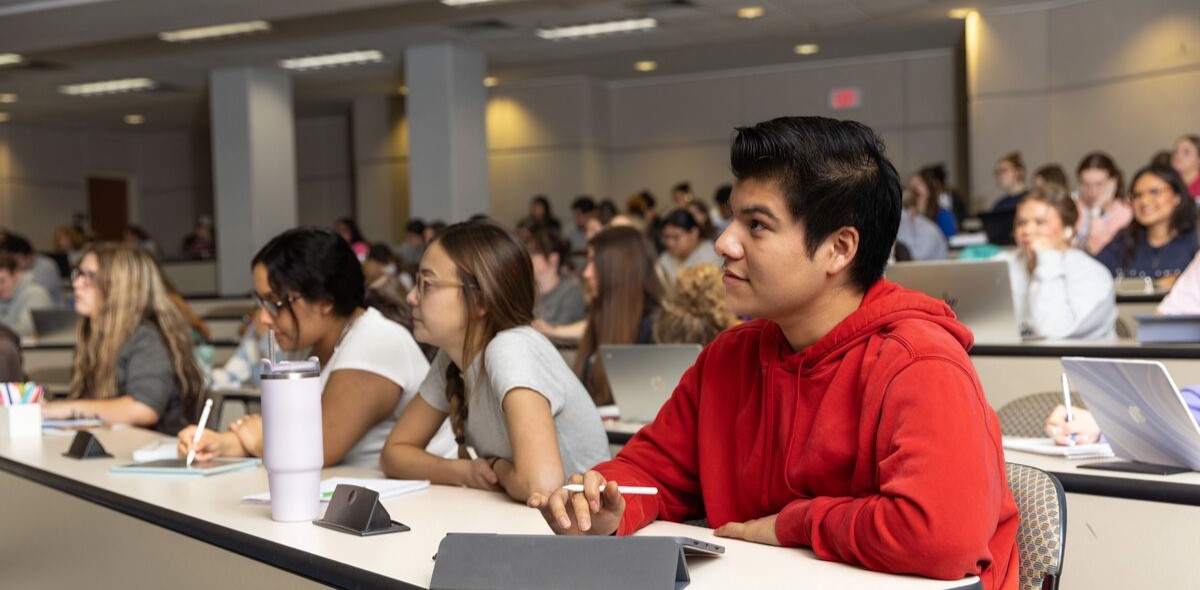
(291,369)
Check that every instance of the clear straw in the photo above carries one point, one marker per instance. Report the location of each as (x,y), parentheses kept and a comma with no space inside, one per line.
(271,346)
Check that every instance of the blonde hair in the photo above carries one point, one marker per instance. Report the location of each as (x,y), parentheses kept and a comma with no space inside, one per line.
(130,291)
(694,310)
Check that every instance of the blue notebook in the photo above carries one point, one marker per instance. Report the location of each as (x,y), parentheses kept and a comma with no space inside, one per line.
(177,467)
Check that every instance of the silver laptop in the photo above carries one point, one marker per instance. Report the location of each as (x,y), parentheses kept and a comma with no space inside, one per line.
(642,376)
(1138,408)
(54,326)
(979,292)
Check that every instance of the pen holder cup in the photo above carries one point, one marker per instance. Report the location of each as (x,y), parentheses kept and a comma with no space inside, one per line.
(21,421)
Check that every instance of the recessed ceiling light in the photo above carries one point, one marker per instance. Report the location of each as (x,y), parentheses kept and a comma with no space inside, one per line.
(134,119)
(751,12)
(8,97)
(214,31)
(108,87)
(645,66)
(330,60)
(807,49)
(10,59)
(597,29)
(490,81)
(960,13)
(4,117)
(465,2)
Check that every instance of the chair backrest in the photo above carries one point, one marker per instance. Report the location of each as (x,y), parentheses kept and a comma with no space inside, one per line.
(1042,532)
(1026,415)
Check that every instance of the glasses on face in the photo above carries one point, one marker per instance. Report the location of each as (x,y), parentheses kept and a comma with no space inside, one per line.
(425,283)
(1154,193)
(273,308)
(87,277)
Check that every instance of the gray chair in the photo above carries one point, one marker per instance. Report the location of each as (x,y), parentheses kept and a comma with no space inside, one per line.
(1026,415)
(1042,528)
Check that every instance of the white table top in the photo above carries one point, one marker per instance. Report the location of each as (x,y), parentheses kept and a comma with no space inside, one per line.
(214,502)
(1180,488)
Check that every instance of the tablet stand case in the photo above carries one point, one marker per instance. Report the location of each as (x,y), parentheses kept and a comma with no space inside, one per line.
(357,511)
(86,446)
(543,562)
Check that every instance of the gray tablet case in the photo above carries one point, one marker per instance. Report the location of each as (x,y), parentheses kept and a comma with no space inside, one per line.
(468,561)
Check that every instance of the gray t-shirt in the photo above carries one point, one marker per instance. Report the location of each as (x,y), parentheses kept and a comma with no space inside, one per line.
(563,304)
(17,313)
(522,357)
(144,372)
(44,272)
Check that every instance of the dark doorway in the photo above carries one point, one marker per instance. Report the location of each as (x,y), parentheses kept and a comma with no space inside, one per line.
(108,207)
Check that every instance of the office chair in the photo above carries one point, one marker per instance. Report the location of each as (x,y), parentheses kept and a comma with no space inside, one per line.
(1026,415)
(1042,532)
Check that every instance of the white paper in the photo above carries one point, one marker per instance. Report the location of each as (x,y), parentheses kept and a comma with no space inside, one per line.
(1046,446)
(386,488)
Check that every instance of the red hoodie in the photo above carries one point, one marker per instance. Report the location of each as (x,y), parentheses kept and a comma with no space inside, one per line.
(875,445)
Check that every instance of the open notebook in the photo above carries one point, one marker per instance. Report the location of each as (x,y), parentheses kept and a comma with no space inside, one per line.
(386,488)
(1046,446)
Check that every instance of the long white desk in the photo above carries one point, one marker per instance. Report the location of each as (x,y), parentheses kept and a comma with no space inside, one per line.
(70,523)
(1126,530)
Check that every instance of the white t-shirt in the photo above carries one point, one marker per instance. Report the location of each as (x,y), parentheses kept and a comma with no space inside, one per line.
(516,358)
(378,345)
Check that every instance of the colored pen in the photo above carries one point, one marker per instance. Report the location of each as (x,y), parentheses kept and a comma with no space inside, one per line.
(626,490)
(1067,404)
(199,431)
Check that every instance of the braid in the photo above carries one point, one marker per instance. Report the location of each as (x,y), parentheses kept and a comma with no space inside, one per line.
(456,395)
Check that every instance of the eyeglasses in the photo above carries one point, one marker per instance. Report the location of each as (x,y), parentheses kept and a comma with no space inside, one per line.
(86,276)
(425,283)
(273,308)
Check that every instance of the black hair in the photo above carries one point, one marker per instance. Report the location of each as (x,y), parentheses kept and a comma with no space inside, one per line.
(17,244)
(415,226)
(682,187)
(381,252)
(606,210)
(724,192)
(647,198)
(682,218)
(316,263)
(584,204)
(355,233)
(545,241)
(1183,218)
(833,174)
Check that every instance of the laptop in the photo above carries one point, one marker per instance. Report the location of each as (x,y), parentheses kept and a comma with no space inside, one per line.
(979,292)
(642,376)
(1139,410)
(55,326)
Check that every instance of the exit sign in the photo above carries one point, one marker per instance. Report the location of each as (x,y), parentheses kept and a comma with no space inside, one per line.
(845,98)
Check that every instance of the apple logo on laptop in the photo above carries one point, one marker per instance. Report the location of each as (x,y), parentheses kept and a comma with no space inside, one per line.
(1137,415)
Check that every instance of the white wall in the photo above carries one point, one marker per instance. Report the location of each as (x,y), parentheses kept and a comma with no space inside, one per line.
(1058,79)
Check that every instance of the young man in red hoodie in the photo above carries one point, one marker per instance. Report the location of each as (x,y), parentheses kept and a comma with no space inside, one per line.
(847,418)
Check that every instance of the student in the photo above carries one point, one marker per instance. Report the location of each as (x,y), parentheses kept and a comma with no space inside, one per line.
(347,228)
(847,418)
(685,243)
(926,189)
(694,310)
(1060,292)
(1161,240)
(540,215)
(1185,159)
(309,288)
(516,403)
(626,291)
(560,297)
(582,209)
(1010,178)
(923,238)
(133,356)
(722,214)
(1184,297)
(1084,427)
(36,267)
(1050,175)
(19,297)
(702,213)
(1103,210)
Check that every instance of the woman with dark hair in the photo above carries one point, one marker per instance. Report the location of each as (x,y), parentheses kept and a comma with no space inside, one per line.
(948,199)
(1010,178)
(926,189)
(540,215)
(685,244)
(626,293)
(347,228)
(1185,159)
(505,388)
(1161,240)
(704,217)
(310,291)
(1103,210)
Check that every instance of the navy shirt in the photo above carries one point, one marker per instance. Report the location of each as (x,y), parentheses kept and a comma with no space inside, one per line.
(1148,261)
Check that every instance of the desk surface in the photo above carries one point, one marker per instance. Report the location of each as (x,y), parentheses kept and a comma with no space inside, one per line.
(1110,349)
(1181,488)
(208,509)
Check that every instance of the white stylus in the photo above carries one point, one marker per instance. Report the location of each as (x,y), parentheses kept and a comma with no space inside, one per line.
(626,490)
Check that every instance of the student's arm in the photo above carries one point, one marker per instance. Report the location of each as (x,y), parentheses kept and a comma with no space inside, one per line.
(537,464)
(404,455)
(1069,300)
(118,410)
(1184,298)
(353,402)
(941,479)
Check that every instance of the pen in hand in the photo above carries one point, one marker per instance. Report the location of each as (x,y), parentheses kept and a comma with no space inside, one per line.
(191,456)
(1066,390)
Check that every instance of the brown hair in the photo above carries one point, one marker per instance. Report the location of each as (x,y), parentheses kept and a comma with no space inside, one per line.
(7,262)
(1017,162)
(1057,198)
(934,186)
(497,277)
(1052,174)
(1102,161)
(131,291)
(694,310)
(628,288)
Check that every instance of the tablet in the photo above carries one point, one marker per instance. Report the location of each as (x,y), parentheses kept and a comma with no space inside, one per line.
(177,467)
